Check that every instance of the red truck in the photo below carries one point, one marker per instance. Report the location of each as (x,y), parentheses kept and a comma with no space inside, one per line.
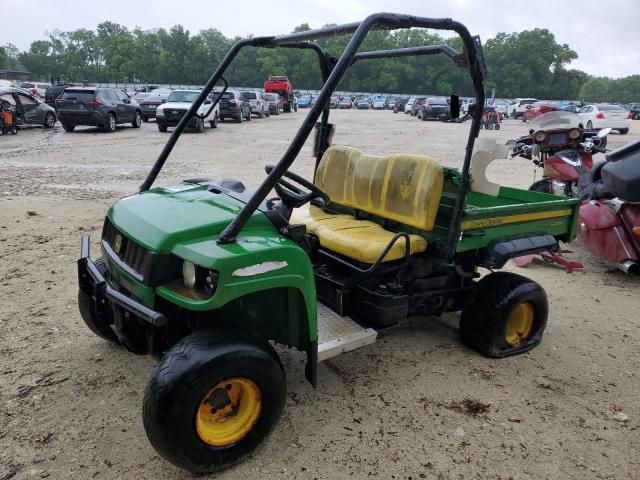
(281,85)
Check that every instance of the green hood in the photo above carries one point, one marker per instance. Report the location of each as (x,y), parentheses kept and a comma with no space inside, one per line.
(164,217)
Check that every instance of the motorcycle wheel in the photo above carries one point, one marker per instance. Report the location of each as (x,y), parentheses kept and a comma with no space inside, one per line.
(542,186)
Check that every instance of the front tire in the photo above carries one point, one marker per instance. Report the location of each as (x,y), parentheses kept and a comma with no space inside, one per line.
(214,123)
(623,131)
(49,120)
(507,315)
(162,128)
(137,121)
(212,399)
(200,126)
(86,305)
(68,127)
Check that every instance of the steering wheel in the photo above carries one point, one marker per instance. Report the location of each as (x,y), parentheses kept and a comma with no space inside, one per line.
(292,195)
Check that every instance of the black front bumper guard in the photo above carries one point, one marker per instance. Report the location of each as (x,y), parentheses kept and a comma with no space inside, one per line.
(110,303)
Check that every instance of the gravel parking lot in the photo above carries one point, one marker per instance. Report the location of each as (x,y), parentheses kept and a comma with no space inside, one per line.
(415,405)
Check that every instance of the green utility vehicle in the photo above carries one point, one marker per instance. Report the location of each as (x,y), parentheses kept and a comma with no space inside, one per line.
(205,275)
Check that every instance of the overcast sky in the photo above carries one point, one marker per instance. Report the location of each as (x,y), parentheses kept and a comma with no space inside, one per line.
(604,34)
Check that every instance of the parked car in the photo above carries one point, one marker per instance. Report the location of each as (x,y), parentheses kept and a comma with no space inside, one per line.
(399,104)
(178,102)
(138,97)
(378,103)
(345,102)
(28,109)
(258,106)
(502,107)
(604,115)
(35,88)
(432,108)
(274,101)
(149,105)
(54,91)
(362,103)
(417,103)
(538,108)
(390,102)
(518,106)
(102,107)
(409,105)
(570,107)
(304,101)
(466,105)
(333,102)
(634,110)
(233,105)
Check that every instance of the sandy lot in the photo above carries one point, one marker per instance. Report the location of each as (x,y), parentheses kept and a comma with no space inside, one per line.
(70,403)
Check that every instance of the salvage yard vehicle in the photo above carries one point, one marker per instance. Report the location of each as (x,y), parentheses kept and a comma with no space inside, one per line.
(433,108)
(170,114)
(281,85)
(233,105)
(203,274)
(27,109)
(606,116)
(259,106)
(102,107)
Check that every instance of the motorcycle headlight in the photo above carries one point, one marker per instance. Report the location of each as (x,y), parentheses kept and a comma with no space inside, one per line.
(189,274)
(539,136)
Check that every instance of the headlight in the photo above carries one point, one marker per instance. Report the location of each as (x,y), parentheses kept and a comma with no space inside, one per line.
(539,136)
(159,112)
(575,133)
(189,274)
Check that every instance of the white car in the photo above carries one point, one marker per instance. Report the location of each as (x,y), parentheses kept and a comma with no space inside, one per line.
(35,88)
(409,104)
(518,106)
(178,102)
(603,115)
(259,106)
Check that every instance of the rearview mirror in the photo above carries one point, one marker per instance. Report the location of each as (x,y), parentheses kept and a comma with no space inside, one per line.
(454,106)
(603,133)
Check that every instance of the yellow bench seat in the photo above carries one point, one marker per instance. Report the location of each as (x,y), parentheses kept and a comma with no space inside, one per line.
(360,240)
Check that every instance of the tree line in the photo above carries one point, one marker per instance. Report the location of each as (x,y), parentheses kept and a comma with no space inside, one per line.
(527,63)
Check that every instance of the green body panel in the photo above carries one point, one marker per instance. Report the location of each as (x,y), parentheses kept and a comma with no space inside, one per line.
(185,220)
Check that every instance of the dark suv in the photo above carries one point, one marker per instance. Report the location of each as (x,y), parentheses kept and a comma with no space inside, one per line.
(233,105)
(54,91)
(433,108)
(104,107)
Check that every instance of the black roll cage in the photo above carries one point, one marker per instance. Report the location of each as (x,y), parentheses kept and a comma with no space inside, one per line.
(332,71)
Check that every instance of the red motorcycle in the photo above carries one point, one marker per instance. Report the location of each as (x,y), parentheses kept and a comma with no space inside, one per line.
(609,223)
(558,143)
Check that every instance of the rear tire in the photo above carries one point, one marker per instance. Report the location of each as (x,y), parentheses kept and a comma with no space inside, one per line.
(162,128)
(240,117)
(200,126)
(261,114)
(186,400)
(623,131)
(68,127)
(214,123)
(507,315)
(248,119)
(110,126)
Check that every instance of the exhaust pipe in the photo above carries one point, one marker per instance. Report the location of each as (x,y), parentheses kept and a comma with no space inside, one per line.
(629,266)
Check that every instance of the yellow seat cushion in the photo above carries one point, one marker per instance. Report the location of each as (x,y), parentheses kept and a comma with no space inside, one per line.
(404,188)
(360,240)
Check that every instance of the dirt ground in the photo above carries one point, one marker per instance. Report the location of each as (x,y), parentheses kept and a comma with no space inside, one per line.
(415,405)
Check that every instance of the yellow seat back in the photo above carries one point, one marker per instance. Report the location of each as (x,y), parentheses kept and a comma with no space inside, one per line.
(404,188)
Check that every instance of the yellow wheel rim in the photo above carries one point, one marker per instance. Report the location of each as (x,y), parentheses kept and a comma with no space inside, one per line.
(520,324)
(228,412)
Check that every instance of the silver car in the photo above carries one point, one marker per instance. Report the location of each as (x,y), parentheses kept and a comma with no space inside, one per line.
(259,106)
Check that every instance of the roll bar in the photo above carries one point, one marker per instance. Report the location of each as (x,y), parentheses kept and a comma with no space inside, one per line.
(332,71)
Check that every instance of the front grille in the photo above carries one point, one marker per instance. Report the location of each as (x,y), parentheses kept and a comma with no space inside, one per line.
(174,115)
(150,268)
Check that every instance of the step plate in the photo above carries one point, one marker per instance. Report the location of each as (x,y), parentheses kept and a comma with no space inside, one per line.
(338,334)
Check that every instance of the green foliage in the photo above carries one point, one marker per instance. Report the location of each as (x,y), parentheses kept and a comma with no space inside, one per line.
(3,58)
(530,62)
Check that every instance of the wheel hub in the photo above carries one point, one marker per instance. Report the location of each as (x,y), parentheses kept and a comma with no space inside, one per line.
(228,412)
(520,324)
